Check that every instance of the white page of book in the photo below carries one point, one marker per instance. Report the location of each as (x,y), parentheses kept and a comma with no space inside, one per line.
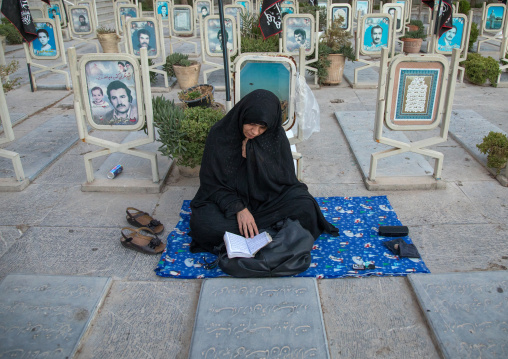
(257,242)
(237,243)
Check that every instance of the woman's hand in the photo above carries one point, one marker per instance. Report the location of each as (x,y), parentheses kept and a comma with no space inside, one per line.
(244,148)
(246,223)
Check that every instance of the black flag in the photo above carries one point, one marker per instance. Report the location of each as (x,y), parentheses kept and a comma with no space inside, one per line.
(18,13)
(444,16)
(270,21)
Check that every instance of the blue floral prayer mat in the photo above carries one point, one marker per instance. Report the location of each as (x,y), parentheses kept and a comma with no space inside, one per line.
(358,220)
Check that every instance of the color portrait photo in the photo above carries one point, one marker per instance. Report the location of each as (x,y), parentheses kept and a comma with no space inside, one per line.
(127,12)
(81,21)
(53,11)
(163,9)
(215,35)
(111,91)
(361,6)
(44,46)
(142,35)
(452,39)
(298,33)
(202,9)
(494,19)
(376,32)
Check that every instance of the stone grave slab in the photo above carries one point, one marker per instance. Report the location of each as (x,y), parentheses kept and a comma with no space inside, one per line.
(367,78)
(259,318)
(408,170)
(15,118)
(46,316)
(136,176)
(467,312)
(468,128)
(40,147)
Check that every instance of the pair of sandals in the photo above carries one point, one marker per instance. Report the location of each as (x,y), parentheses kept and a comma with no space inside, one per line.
(147,242)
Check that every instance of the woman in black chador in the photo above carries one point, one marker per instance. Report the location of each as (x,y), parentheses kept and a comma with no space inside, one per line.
(247,177)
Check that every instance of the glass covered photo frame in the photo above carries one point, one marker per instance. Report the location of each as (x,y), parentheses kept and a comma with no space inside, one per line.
(494,17)
(112,95)
(213,35)
(47,45)
(162,9)
(405,10)
(298,32)
(245,3)
(362,6)
(143,32)
(127,12)
(38,12)
(454,38)
(391,9)
(343,10)
(235,11)
(203,9)
(415,92)
(81,21)
(183,21)
(376,34)
(57,8)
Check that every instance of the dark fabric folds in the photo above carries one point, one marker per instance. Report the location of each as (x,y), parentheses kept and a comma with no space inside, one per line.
(18,13)
(445,14)
(270,20)
(264,182)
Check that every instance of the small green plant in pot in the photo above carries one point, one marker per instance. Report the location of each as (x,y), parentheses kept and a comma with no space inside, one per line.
(413,41)
(183,132)
(495,146)
(186,71)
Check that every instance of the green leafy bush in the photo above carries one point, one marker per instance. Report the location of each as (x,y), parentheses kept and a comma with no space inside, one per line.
(418,23)
(183,132)
(473,35)
(479,69)
(495,146)
(464,7)
(12,35)
(306,8)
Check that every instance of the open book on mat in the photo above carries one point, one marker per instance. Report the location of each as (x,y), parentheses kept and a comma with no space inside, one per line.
(238,246)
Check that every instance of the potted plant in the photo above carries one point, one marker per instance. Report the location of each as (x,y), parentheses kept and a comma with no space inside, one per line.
(415,25)
(413,41)
(183,132)
(495,146)
(333,50)
(200,95)
(108,39)
(186,71)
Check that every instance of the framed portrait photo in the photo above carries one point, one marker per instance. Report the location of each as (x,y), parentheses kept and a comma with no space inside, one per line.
(405,7)
(142,32)
(494,18)
(127,12)
(376,34)
(235,11)
(287,9)
(46,45)
(182,19)
(415,93)
(81,22)
(298,32)
(453,38)
(203,9)
(56,8)
(163,9)
(213,35)
(245,4)
(362,6)
(392,9)
(344,10)
(114,92)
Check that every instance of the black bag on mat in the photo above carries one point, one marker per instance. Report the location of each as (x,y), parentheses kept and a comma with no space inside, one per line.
(288,254)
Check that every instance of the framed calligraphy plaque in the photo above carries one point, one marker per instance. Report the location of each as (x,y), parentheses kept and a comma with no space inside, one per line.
(415,94)
(344,10)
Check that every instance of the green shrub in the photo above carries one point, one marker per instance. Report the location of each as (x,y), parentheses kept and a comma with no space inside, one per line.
(495,146)
(7,70)
(418,23)
(306,8)
(176,58)
(12,35)
(479,69)
(473,35)
(464,7)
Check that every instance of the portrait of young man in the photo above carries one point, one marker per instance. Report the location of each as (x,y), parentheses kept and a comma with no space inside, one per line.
(41,45)
(143,37)
(124,111)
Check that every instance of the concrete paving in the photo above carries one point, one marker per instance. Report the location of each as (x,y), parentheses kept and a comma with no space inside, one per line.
(54,228)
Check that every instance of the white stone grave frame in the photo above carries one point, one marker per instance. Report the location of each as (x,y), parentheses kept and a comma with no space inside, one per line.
(94,5)
(31,58)
(20,182)
(354,7)
(119,21)
(360,51)
(61,6)
(43,11)
(468,20)
(349,18)
(274,58)
(197,12)
(165,21)
(491,34)
(294,3)
(250,10)
(503,58)
(174,34)
(314,38)
(441,114)
(159,36)
(408,7)
(205,47)
(84,118)
(80,36)
(238,19)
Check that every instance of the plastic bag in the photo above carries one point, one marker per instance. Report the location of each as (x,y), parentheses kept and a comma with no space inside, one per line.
(306,109)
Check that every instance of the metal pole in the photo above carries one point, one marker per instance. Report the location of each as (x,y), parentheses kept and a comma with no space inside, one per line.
(30,77)
(224,49)
(436,25)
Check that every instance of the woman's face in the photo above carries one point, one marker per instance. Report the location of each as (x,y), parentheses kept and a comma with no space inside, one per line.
(253,130)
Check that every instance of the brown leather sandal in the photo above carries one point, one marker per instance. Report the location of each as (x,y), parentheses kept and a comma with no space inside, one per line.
(149,244)
(142,219)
